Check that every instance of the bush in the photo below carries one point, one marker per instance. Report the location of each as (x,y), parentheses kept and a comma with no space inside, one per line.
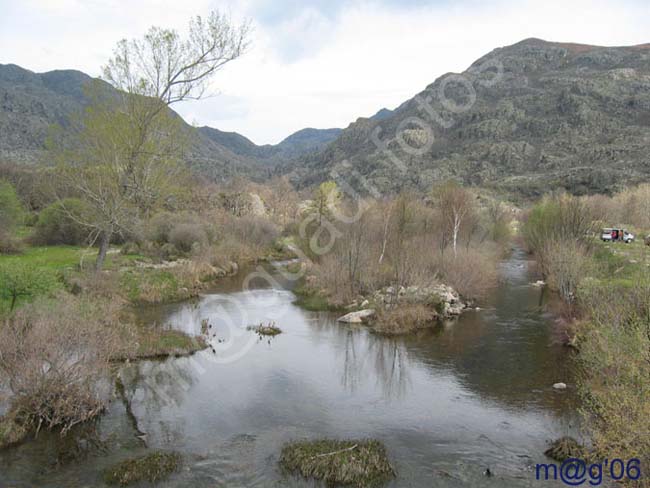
(160,226)
(187,236)
(471,273)
(59,223)
(564,264)
(256,232)
(56,356)
(23,281)
(9,244)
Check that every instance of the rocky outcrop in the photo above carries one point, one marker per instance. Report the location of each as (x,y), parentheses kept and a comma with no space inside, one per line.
(357,317)
(443,298)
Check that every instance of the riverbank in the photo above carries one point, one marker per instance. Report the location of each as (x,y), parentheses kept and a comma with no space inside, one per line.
(605,288)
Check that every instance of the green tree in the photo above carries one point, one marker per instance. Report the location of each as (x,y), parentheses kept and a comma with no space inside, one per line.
(19,280)
(11,210)
(126,159)
(326,198)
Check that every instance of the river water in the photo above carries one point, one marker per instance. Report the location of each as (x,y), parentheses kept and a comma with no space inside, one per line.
(448,403)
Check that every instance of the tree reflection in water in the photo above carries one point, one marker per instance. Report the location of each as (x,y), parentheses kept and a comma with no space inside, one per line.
(388,358)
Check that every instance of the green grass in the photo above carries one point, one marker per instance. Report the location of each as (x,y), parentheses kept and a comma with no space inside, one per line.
(153,467)
(356,463)
(313,301)
(152,286)
(156,343)
(621,261)
(51,257)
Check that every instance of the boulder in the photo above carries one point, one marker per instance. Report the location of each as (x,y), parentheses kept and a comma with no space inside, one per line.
(357,317)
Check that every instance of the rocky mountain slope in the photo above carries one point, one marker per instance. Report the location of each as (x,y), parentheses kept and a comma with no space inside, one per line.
(30,103)
(523,119)
(526,118)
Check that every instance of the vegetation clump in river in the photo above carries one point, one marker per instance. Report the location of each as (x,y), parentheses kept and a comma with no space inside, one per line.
(153,467)
(11,432)
(356,463)
(565,448)
(269,329)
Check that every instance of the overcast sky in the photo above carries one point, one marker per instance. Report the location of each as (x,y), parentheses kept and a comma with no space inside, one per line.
(319,63)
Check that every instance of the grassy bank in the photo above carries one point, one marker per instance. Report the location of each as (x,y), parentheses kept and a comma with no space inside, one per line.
(606,319)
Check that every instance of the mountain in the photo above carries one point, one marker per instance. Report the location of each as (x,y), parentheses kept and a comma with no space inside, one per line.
(30,103)
(522,119)
(297,144)
(525,118)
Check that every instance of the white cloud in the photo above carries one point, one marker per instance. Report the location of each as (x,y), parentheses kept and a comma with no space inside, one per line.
(311,66)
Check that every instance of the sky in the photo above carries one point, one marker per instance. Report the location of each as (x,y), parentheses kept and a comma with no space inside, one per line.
(318,63)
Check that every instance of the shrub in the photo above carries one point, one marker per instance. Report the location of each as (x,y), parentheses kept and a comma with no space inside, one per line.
(471,273)
(59,223)
(186,236)
(565,264)
(23,281)
(256,232)
(55,356)
(160,226)
(9,244)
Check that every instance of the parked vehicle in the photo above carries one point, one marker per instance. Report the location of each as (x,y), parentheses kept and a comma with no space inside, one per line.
(614,234)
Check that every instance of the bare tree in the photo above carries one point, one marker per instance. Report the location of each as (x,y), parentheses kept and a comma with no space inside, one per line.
(455,204)
(127,156)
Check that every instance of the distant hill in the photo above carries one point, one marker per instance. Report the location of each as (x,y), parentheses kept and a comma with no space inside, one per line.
(559,116)
(297,144)
(30,103)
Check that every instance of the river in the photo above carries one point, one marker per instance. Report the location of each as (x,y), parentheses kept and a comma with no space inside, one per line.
(448,403)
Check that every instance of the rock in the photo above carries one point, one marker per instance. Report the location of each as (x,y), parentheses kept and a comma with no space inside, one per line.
(357,317)
(560,386)
(257,206)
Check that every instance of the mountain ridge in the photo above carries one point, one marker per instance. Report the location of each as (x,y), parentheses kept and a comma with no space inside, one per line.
(30,103)
(561,115)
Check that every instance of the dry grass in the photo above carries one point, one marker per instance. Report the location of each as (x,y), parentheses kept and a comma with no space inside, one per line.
(404,319)
(565,448)
(359,464)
